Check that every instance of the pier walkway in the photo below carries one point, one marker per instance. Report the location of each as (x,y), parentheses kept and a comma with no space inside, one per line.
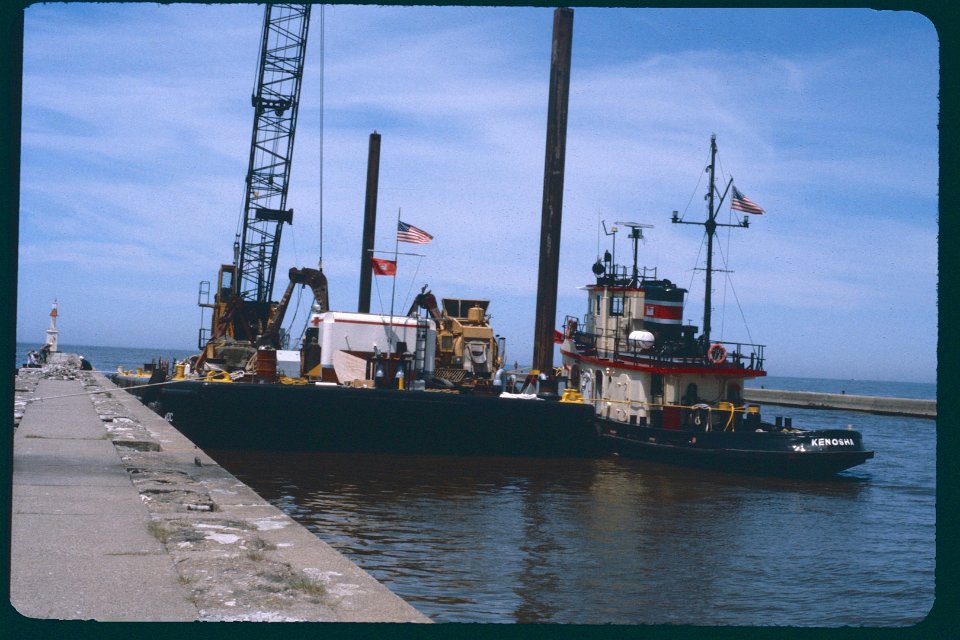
(116,516)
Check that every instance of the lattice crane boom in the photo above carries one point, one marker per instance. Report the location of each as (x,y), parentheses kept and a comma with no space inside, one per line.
(276,103)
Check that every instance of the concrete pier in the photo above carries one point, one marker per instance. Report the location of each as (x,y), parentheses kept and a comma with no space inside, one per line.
(116,516)
(872,404)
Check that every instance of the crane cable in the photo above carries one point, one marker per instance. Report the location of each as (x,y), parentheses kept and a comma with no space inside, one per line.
(303,331)
(322,72)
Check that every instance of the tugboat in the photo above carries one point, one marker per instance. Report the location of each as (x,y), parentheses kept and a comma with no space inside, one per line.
(662,392)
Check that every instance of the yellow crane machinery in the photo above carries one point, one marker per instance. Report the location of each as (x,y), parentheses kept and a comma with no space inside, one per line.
(468,351)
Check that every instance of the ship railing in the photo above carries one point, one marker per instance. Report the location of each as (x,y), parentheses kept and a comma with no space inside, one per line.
(614,345)
(717,415)
(744,355)
(617,275)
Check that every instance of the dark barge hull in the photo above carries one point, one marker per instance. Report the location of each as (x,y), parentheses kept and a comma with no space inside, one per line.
(810,454)
(144,387)
(282,417)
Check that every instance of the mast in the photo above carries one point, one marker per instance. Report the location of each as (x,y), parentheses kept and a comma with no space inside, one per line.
(711,225)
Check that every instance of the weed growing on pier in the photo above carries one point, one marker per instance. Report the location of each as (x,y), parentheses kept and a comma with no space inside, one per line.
(259,545)
(158,531)
(308,586)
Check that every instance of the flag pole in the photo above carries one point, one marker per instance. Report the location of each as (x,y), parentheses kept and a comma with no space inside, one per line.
(393,290)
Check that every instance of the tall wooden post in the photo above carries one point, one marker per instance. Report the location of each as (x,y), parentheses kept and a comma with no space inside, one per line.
(369,222)
(553,190)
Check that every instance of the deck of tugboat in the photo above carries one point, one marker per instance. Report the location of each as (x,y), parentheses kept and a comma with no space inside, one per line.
(118,517)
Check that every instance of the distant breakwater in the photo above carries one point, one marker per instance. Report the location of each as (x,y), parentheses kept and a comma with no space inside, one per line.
(872,404)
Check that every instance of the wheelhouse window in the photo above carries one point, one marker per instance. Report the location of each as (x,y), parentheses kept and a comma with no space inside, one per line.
(616,305)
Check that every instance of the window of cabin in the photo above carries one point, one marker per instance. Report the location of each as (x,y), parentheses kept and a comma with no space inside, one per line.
(656,384)
(616,305)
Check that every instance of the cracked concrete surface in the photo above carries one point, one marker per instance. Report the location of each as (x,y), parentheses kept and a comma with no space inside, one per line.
(231,555)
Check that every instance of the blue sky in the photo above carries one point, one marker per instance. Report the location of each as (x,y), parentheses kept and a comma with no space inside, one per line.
(137,119)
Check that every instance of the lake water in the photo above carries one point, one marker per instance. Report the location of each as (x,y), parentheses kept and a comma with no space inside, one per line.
(107,359)
(619,541)
(916,390)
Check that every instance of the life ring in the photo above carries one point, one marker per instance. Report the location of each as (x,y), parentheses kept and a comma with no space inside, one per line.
(716,353)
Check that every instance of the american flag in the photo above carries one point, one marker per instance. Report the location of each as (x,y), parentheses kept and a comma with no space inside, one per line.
(741,202)
(409,233)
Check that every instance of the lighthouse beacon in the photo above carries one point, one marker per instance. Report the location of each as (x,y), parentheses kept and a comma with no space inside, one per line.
(52,332)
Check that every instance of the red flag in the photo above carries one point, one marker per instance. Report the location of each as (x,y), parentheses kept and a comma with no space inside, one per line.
(383,267)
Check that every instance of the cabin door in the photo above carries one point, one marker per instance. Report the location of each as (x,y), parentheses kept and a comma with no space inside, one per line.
(596,386)
(584,384)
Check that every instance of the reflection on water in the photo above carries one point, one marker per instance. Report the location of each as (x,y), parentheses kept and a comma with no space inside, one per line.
(613,540)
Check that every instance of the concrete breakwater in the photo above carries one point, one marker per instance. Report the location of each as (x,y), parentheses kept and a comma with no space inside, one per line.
(872,404)
(116,516)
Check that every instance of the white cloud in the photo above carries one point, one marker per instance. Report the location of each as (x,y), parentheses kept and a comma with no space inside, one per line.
(137,124)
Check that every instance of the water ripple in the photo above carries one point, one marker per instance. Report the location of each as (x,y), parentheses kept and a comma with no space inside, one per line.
(626,542)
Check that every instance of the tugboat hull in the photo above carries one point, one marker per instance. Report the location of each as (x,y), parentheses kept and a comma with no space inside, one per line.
(336,418)
(799,453)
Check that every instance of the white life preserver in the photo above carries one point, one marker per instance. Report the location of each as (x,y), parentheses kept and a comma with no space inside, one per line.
(716,353)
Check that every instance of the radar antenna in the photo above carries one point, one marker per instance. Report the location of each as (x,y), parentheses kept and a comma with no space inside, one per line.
(636,235)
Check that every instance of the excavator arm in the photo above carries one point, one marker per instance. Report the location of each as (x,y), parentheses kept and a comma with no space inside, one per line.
(426,300)
(312,278)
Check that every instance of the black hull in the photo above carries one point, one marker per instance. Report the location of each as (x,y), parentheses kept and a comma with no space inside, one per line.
(141,386)
(798,454)
(328,418)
